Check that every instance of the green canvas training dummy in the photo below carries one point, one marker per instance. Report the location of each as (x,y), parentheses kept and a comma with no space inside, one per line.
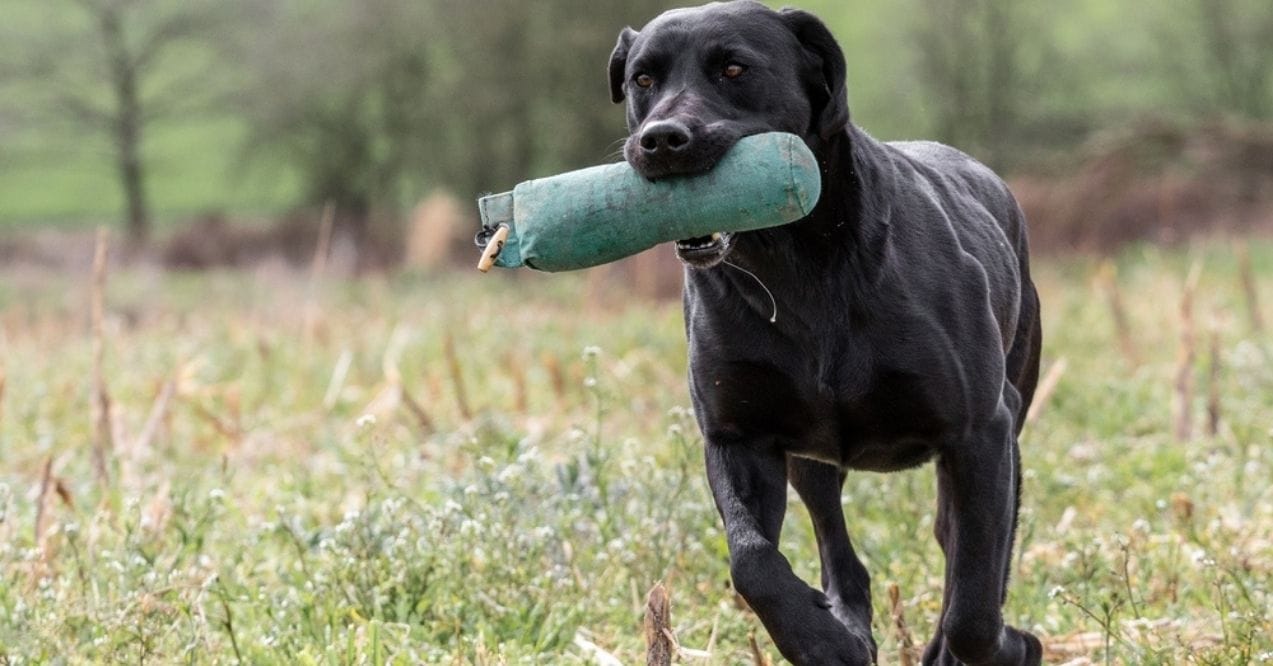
(602,214)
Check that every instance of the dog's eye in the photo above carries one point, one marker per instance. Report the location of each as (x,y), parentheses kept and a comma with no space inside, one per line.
(733,71)
(644,80)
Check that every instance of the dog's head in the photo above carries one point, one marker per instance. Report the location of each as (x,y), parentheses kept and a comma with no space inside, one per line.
(697,80)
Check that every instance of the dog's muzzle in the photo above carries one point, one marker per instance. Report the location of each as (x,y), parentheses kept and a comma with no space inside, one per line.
(705,251)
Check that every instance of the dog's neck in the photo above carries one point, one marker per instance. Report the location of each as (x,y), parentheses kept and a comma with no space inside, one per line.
(851,216)
(846,234)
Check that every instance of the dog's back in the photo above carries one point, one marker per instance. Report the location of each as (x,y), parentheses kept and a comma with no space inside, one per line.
(972,196)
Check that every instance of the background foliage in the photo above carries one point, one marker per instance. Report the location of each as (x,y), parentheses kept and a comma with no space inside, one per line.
(266,104)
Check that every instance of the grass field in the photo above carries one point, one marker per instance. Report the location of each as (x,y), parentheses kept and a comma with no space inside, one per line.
(300,479)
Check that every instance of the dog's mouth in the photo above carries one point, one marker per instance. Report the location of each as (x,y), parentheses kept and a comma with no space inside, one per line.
(704,251)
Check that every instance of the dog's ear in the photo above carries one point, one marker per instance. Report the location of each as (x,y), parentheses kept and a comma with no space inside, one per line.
(619,64)
(826,62)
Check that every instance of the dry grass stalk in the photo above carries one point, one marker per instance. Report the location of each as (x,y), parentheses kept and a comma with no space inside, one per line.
(42,503)
(1213,384)
(63,492)
(49,485)
(337,382)
(521,396)
(905,642)
(103,438)
(158,511)
(322,250)
(457,376)
(158,411)
(1185,360)
(556,376)
(1046,388)
(223,427)
(1249,289)
(659,642)
(387,399)
(402,396)
(417,412)
(1182,507)
(758,656)
(1108,277)
(600,655)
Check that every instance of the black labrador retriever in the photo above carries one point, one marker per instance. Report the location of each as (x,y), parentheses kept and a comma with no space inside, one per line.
(896,324)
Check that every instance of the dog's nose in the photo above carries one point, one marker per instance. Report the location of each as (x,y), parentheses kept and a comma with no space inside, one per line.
(664,137)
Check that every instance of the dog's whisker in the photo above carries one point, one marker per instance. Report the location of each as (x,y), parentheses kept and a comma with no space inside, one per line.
(611,154)
(773,301)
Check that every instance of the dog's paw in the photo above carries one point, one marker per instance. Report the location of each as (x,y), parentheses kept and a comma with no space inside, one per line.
(858,626)
(1018,648)
(844,650)
(820,637)
(1034,649)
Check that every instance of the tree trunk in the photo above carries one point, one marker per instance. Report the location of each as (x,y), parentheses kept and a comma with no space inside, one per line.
(132,176)
(128,125)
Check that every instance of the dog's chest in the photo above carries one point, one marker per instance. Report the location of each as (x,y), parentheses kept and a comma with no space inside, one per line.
(894,422)
(864,418)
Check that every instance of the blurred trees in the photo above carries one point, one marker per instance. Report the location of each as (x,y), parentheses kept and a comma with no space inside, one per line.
(114,71)
(528,94)
(371,104)
(1236,38)
(996,81)
(368,100)
(341,93)
(977,60)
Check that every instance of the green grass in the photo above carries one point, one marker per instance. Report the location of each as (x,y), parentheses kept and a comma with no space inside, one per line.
(279,516)
(194,165)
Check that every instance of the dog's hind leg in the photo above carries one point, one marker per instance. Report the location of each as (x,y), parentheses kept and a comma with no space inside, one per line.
(749,483)
(1022,363)
(844,579)
(977,512)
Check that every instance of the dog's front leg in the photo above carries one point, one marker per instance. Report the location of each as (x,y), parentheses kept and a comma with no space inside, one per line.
(749,482)
(977,494)
(844,579)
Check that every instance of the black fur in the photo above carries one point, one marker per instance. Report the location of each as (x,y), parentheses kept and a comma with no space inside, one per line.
(907,329)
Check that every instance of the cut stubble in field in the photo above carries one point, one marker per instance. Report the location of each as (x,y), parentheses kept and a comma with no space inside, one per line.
(264,503)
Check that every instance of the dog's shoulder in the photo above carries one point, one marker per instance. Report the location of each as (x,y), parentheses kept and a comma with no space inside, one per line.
(952,167)
(959,183)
